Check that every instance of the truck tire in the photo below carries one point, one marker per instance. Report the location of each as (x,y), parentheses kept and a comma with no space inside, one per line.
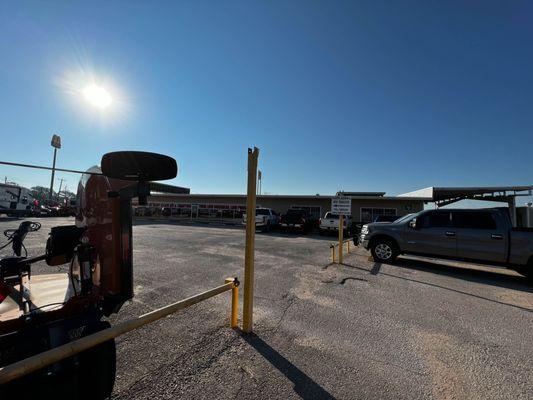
(384,250)
(527,271)
(97,368)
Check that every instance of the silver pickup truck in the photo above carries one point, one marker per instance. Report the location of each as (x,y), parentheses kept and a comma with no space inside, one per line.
(480,235)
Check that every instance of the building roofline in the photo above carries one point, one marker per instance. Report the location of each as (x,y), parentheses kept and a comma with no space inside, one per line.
(444,193)
(286,196)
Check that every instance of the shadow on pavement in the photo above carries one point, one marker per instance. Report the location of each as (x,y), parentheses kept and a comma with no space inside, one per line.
(478,276)
(214,224)
(304,386)
(493,278)
(375,269)
(177,222)
(290,234)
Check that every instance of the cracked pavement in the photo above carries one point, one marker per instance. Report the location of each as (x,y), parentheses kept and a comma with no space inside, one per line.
(417,329)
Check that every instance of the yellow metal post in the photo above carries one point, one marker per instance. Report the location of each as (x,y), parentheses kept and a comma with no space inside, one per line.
(348,242)
(41,360)
(341,231)
(234,302)
(248,303)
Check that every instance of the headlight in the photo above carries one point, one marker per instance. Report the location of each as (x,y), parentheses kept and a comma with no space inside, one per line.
(364,229)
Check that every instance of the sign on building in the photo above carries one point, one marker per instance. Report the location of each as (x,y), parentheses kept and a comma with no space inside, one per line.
(341,205)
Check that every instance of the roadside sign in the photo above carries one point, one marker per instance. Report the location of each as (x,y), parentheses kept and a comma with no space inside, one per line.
(56,141)
(341,205)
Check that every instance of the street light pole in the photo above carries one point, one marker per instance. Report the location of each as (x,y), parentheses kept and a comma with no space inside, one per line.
(59,191)
(53,173)
(56,144)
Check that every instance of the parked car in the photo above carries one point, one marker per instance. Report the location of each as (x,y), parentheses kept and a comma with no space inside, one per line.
(483,235)
(296,219)
(265,219)
(330,223)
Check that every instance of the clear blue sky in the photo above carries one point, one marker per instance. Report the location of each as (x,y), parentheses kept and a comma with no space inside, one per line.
(362,95)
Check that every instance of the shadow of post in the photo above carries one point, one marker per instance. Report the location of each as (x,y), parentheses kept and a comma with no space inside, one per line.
(516,287)
(304,386)
(375,269)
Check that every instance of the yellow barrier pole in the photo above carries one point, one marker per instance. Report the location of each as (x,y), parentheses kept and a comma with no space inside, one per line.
(341,231)
(248,300)
(234,301)
(41,360)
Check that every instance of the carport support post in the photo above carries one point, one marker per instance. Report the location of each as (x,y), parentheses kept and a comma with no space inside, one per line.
(512,209)
(341,232)
(248,304)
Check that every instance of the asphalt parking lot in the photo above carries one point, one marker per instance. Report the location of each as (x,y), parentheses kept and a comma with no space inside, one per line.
(416,329)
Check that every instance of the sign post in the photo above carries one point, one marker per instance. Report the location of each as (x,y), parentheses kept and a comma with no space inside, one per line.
(343,206)
(341,233)
(248,303)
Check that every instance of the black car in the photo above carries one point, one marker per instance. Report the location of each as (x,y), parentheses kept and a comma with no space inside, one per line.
(296,219)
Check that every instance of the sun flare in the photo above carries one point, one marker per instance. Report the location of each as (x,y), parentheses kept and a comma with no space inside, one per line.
(97,96)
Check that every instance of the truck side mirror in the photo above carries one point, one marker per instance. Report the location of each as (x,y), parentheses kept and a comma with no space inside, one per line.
(413,224)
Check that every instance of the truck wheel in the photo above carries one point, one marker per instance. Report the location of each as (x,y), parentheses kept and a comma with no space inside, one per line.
(97,368)
(527,271)
(384,250)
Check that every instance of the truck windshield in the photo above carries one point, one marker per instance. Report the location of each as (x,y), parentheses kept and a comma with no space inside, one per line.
(404,218)
(332,216)
(262,211)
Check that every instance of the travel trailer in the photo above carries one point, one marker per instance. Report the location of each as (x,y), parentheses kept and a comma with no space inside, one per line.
(15,200)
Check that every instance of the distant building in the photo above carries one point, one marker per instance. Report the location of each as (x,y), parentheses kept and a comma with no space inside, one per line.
(365,205)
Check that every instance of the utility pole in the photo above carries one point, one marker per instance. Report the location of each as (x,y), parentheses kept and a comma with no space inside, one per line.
(56,144)
(59,191)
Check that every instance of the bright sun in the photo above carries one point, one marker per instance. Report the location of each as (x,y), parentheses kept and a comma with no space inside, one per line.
(97,96)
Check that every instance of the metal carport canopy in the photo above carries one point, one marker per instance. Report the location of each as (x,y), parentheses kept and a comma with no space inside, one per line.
(447,195)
